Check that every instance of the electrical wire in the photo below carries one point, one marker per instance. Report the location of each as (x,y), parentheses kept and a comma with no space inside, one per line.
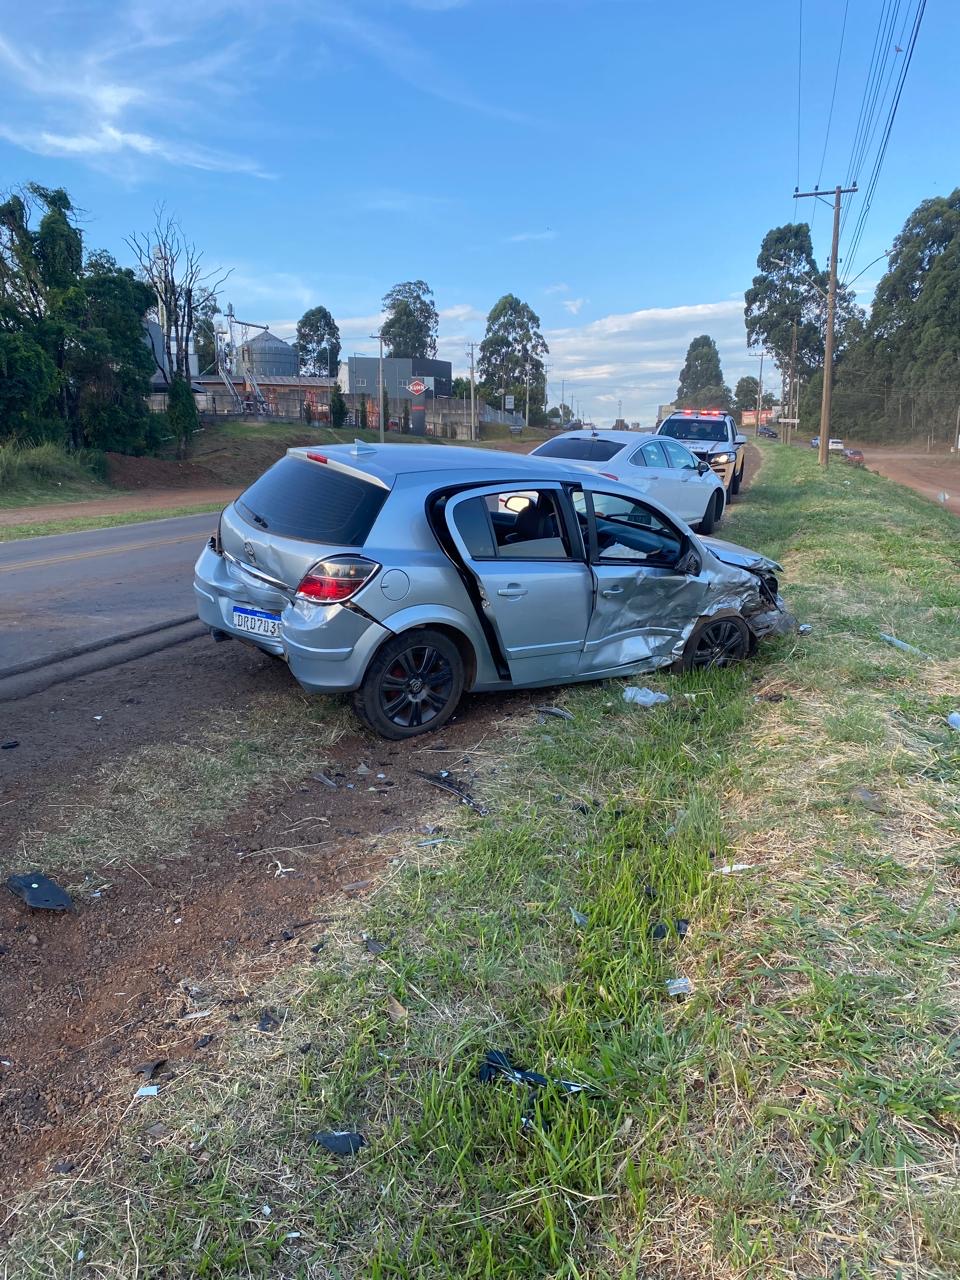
(833,98)
(799,85)
(882,150)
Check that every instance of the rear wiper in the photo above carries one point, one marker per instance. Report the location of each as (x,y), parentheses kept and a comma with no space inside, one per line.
(259,520)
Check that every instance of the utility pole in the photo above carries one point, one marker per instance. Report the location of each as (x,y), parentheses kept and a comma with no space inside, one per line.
(473,396)
(563,422)
(826,402)
(379,335)
(793,398)
(526,412)
(756,428)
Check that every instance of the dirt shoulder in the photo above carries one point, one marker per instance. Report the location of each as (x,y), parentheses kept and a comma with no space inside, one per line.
(146,501)
(930,475)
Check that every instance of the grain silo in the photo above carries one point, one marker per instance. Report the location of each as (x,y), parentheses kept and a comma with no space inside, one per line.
(267,356)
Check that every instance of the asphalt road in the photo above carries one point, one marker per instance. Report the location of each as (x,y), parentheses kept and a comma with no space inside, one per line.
(73,592)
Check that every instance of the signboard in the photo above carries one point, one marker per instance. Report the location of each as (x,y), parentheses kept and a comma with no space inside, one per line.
(508,403)
(417,386)
(748,418)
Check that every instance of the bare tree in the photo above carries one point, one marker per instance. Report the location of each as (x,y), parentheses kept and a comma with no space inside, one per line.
(174,269)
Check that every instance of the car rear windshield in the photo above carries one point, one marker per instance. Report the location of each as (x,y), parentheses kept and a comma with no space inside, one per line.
(298,498)
(695,429)
(581,449)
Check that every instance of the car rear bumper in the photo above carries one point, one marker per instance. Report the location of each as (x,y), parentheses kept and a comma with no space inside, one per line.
(327,648)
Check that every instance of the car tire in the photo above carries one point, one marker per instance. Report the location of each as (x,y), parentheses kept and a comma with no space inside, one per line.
(412,685)
(711,517)
(736,480)
(717,642)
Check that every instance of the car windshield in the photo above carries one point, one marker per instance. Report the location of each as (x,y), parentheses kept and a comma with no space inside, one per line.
(580,449)
(695,429)
(298,498)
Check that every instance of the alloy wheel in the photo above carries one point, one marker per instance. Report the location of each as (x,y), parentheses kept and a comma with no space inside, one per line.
(416,686)
(720,643)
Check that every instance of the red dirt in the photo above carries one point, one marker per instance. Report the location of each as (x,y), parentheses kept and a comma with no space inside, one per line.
(147,500)
(925,473)
(87,996)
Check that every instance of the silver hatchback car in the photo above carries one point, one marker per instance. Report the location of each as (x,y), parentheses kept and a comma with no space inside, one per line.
(407,574)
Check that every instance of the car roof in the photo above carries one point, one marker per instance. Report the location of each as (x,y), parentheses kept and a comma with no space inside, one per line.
(385,462)
(622,437)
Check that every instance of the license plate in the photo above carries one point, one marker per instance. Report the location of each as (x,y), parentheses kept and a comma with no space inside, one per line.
(256,622)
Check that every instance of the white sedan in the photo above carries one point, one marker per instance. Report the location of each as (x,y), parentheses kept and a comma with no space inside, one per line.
(656,465)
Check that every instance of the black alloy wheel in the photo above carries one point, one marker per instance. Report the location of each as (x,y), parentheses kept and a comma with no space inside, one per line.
(413,685)
(737,478)
(717,642)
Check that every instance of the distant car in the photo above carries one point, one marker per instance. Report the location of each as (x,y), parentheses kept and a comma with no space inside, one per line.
(664,469)
(410,575)
(833,444)
(712,437)
(854,457)
(768,433)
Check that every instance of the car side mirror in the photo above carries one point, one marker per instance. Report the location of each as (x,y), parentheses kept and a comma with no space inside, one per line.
(704,467)
(689,564)
(740,439)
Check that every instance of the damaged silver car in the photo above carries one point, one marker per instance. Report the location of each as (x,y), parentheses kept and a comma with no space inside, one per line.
(410,574)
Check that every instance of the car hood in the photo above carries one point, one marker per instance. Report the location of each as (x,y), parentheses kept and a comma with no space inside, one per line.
(741,557)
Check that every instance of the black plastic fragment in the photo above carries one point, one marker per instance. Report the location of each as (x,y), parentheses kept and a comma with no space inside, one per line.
(149,1069)
(447,783)
(374,947)
(40,892)
(327,781)
(203,1042)
(268,1021)
(317,947)
(496,1064)
(661,929)
(558,712)
(340,1142)
(9,744)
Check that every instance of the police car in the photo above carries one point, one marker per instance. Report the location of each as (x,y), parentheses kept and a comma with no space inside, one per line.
(711,436)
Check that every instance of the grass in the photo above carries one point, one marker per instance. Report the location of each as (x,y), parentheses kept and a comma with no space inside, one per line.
(796,1116)
(76,524)
(33,473)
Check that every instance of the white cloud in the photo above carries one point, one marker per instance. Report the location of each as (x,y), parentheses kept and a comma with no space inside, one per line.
(574,305)
(557,288)
(523,237)
(461,313)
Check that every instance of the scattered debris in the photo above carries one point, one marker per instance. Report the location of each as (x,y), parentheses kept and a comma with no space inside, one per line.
(98,718)
(804,629)
(149,1069)
(327,782)
(40,892)
(374,947)
(340,1141)
(769,697)
(445,782)
(396,1012)
(732,868)
(147,1091)
(357,884)
(362,771)
(662,929)
(197,1013)
(953,720)
(679,987)
(203,1042)
(266,1211)
(10,744)
(644,697)
(579,918)
(157,1131)
(428,844)
(902,645)
(64,1166)
(558,712)
(869,799)
(268,1021)
(317,947)
(496,1064)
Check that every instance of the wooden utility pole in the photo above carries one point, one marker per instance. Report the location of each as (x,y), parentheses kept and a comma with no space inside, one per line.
(793,406)
(826,402)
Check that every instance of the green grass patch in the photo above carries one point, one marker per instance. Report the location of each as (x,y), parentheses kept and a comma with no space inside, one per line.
(35,473)
(796,1116)
(76,524)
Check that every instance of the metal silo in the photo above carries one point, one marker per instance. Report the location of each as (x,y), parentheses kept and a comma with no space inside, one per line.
(267,356)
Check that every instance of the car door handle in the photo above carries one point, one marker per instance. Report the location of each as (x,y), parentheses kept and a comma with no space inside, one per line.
(612,591)
(512,591)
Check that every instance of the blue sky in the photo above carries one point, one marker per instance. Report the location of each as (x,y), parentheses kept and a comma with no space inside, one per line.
(615,163)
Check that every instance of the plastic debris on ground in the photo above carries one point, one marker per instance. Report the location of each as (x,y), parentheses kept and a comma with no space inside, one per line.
(579,918)
(869,799)
(445,782)
(40,892)
(662,929)
(9,745)
(327,782)
(375,947)
(558,712)
(203,1042)
(341,1142)
(953,720)
(147,1091)
(902,645)
(268,1021)
(644,697)
(149,1069)
(497,1066)
(732,868)
(804,629)
(679,987)
(396,1012)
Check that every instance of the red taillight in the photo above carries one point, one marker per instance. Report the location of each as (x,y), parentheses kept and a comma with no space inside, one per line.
(318,457)
(332,581)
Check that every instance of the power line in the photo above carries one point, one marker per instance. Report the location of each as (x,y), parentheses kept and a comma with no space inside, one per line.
(888,129)
(833,97)
(799,85)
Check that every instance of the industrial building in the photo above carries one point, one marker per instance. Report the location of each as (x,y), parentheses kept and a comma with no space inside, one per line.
(266,356)
(360,375)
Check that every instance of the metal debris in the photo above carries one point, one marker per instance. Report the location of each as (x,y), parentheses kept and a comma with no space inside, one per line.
(644,697)
(340,1141)
(445,782)
(953,720)
(902,645)
(559,712)
(679,987)
(579,918)
(40,892)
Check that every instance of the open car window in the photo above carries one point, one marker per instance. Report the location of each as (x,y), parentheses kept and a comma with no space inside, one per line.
(516,524)
(630,530)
